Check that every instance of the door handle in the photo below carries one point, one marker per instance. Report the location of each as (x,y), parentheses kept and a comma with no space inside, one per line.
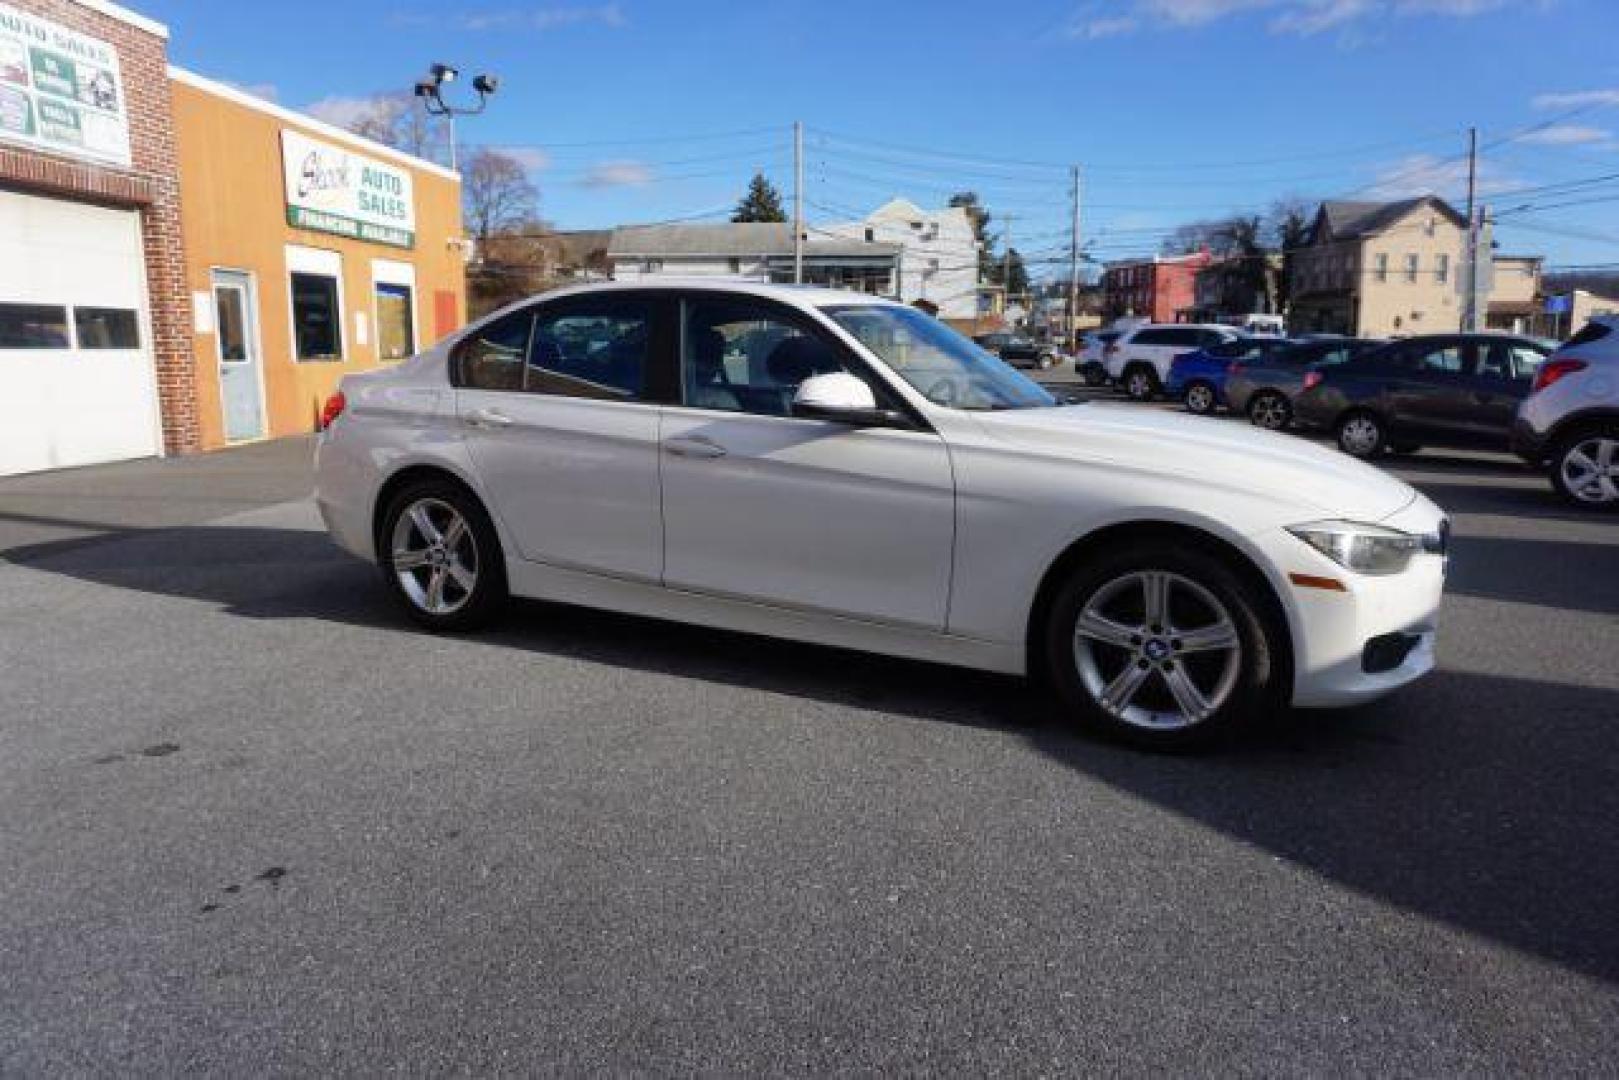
(693,448)
(488,418)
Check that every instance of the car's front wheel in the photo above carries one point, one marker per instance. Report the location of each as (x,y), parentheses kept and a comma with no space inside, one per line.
(1271,411)
(440,556)
(1200,399)
(1361,434)
(1585,468)
(1162,646)
(1141,383)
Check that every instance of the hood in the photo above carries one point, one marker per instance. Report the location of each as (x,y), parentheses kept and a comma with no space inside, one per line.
(1283,468)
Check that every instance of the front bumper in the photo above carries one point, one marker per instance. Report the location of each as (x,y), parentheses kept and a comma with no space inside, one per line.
(1342,639)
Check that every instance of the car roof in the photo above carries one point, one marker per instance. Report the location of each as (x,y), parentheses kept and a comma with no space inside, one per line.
(796,295)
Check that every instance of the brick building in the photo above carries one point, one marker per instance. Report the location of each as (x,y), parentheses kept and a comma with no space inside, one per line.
(95,319)
(1160,288)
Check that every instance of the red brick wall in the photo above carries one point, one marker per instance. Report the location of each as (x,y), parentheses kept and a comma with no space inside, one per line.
(1175,288)
(150,183)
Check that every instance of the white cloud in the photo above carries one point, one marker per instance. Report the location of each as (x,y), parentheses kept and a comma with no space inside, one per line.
(607,174)
(1301,17)
(531,158)
(1567,135)
(543,18)
(1426,174)
(345,112)
(1092,29)
(1577,99)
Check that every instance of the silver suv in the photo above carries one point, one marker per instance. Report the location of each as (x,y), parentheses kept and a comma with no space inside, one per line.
(1569,424)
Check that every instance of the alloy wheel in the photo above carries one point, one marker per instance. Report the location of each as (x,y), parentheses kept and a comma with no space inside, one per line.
(1269,411)
(1590,470)
(1138,385)
(434,556)
(1200,399)
(1156,650)
(1360,435)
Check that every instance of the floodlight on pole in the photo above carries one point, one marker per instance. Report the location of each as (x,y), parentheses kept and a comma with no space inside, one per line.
(430,90)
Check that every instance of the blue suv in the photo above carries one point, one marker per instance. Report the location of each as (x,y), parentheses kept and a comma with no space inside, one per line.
(1198,378)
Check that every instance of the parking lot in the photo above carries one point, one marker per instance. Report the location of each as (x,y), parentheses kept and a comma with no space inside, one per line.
(252,821)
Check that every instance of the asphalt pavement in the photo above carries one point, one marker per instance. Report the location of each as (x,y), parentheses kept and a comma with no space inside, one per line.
(252,822)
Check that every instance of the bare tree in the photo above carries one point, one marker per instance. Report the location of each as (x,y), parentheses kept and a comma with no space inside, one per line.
(496,194)
(398,120)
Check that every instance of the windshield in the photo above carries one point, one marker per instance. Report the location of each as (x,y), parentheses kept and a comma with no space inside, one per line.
(942,365)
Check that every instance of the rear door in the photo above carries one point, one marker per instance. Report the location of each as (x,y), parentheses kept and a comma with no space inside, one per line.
(559,406)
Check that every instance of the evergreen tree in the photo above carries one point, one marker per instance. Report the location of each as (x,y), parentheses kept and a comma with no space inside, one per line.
(761,203)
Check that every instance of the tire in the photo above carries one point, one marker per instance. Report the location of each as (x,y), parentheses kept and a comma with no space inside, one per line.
(1200,398)
(1270,410)
(458,580)
(1585,468)
(1361,434)
(1237,682)
(1093,374)
(1140,382)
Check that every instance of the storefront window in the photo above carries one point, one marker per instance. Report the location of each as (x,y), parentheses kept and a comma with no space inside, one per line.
(317,324)
(106,328)
(396,321)
(33,326)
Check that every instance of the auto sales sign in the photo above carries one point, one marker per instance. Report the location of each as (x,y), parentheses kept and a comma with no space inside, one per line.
(331,190)
(60,90)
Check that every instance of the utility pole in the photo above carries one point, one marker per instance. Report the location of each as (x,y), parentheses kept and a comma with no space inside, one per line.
(1073,268)
(1470,301)
(1006,269)
(798,202)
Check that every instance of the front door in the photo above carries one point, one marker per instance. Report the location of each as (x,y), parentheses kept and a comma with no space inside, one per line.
(562,430)
(236,333)
(764,506)
(1432,396)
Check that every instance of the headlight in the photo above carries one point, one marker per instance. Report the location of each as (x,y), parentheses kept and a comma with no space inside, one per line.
(1368,549)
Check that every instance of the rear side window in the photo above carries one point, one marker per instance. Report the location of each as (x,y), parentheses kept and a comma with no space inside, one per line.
(1151,337)
(491,357)
(1593,331)
(597,353)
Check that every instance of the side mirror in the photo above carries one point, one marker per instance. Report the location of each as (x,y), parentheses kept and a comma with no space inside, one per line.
(844,399)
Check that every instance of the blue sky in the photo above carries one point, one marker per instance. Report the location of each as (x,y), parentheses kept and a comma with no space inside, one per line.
(640,110)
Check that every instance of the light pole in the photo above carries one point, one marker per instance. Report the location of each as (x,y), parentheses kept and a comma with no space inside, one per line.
(431,91)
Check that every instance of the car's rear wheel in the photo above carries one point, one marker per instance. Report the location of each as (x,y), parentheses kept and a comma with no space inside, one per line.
(1093,374)
(1141,382)
(441,557)
(1585,468)
(1271,411)
(1162,646)
(1361,434)
(1200,398)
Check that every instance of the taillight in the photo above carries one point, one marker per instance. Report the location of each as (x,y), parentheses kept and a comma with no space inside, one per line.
(333,409)
(1553,370)
(1312,379)
(1235,368)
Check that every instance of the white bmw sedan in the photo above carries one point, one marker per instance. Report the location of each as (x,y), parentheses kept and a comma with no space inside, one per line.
(840,469)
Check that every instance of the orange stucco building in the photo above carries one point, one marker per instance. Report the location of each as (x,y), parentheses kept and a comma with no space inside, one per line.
(310,253)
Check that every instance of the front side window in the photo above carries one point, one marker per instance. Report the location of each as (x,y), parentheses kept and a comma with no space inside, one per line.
(107,328)
(600,353)
(942,365)
(743,356)
(317,320)
(492,356)
(1526,359)
(33,326)
(396,321)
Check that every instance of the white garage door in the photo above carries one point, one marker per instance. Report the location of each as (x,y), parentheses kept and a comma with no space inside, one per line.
(76,377)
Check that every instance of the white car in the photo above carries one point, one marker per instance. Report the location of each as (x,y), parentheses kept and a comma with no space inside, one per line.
(839,469)
(1569,423)
(1139,360)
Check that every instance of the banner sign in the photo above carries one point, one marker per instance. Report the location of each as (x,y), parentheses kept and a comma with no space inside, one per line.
(60,90)
(330,189)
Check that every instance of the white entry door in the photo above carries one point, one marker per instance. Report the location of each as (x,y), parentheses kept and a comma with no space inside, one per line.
(241,382)
(76,377)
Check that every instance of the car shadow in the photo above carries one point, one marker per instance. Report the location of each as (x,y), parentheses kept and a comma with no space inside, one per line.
(1482,802)
(1546,573)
